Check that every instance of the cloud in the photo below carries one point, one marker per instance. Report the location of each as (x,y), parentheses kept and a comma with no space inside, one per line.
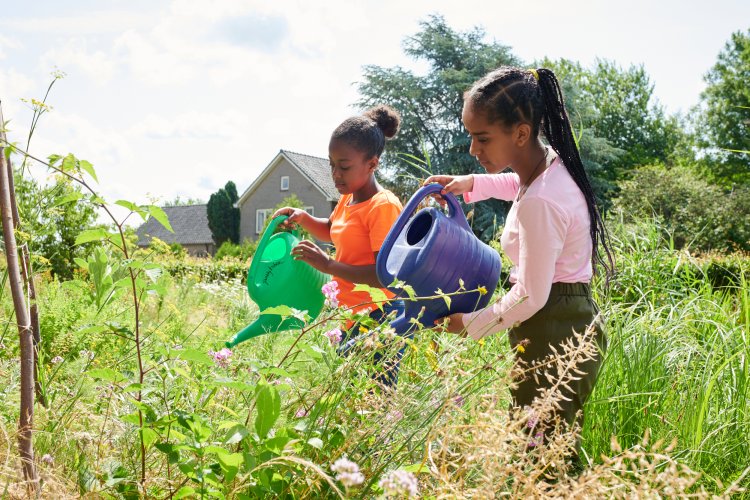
(225,125)
(7,43)
(97,64)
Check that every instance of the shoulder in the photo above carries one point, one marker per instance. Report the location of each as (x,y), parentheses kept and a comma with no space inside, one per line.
(386,198)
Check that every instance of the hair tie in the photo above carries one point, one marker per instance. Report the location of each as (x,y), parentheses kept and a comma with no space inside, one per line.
(535,74)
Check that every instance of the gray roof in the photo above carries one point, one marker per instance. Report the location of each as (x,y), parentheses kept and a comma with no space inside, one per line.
(190,224)
(317,169)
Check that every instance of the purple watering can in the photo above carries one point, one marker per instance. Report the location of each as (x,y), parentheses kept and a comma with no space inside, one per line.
(433,250)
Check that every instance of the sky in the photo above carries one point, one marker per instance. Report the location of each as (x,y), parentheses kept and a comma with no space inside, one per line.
(173,98)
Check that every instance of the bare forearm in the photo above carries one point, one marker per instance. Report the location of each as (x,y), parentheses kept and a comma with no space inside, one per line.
(356,274)
(320,229)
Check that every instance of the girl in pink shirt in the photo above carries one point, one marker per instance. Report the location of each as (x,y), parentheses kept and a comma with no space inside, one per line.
(553,231)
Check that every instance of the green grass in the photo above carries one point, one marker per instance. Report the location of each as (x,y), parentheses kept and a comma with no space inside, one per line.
(677,364)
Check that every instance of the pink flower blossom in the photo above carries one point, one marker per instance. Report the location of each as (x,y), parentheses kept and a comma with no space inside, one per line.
(334,336)
(301,413)
(56,360)
(347,472)
(399,484)
(331,292)
(221,358)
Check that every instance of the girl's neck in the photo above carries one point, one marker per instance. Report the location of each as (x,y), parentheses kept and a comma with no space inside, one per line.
(532,163)
(367,191)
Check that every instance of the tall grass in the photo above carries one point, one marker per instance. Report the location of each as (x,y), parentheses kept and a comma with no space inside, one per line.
(676,367)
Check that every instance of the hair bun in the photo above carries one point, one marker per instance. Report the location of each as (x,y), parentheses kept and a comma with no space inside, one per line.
(387,119)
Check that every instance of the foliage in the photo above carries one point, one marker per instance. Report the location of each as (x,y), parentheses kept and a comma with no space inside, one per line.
(697,214)
(623,112)
(430,108)
(223,216)
(50,221)
(242,252)
(725,113)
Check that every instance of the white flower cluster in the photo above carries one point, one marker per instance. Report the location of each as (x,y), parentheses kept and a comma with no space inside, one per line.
(347,472)
(399,484)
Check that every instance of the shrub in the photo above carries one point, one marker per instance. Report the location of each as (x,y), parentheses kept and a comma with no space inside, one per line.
(697,214)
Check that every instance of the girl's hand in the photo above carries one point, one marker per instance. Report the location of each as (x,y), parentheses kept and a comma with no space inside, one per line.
(294,216)
(309,252)
(453,323)
(456,184)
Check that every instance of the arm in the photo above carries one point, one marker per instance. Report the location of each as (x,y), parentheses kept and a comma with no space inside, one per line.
(542,229)
(319,228)
(309,252)
(500,186)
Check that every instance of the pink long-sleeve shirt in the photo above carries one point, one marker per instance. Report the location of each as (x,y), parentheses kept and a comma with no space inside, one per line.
(546,236)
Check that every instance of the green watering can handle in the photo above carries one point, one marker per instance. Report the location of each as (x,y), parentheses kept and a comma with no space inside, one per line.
(264,241)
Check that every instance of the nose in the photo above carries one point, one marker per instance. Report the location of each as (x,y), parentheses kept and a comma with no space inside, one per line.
(474,147)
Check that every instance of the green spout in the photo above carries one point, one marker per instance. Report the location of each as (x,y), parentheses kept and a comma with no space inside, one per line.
(266,323)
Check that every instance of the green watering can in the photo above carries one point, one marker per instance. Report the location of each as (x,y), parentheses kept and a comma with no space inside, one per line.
(276,279)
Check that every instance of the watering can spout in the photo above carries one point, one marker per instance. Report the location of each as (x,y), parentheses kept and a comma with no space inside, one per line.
(266,323)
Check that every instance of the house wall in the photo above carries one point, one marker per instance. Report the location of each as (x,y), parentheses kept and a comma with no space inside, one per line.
(200,249)
(269,194)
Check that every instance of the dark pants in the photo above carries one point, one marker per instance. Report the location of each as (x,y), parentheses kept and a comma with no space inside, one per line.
(569,308)
(387,366)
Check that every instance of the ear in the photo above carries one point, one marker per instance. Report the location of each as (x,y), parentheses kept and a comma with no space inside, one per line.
(522,134)
(372,164)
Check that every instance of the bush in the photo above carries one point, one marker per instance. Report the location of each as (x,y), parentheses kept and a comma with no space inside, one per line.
(230,250)
(697,214)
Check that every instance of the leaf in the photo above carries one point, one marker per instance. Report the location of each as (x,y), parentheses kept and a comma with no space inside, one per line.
(149,436)
(91,235)
(236,434)
(269,409)
(283,311)
(68,163)
(158,214)
(445,297)
(377,295)
(75,196)
(195,356)
(316,443)
(185,491)
(132,207)
(89,168)
(107,374)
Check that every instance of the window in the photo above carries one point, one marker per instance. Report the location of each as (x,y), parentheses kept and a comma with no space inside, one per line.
(310,210)
(285,183)
(260,219)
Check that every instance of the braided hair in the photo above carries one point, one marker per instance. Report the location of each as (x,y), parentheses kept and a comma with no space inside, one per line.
(368,132)
(510,95)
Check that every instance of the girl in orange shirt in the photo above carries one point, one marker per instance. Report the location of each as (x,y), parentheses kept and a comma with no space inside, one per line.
(362,218)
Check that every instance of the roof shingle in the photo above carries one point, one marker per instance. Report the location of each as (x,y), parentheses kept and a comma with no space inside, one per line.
(318,170)
(190,224)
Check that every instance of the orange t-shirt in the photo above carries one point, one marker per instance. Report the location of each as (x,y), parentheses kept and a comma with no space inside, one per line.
(356,232)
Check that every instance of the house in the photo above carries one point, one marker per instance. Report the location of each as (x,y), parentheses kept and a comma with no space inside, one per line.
(190,224)
(309,177)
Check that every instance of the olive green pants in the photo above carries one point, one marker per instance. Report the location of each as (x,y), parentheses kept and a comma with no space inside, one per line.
(568,309)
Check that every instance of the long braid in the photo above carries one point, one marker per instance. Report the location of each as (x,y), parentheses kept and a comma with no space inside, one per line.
(512,95)
(559,134)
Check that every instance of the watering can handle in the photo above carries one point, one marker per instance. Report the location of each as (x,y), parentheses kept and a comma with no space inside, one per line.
(455,212)
(264,241)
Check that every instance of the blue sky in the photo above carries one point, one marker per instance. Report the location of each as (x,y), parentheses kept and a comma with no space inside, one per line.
(174,98)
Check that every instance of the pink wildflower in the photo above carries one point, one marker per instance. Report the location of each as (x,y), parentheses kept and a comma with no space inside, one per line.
(56,360)
(301,413)
(331,291)
(221,358)
(334,336)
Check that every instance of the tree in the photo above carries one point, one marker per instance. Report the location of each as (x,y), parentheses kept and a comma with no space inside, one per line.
(51,214)
(430,108)
(617,105)
(724,122)
(223,215)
